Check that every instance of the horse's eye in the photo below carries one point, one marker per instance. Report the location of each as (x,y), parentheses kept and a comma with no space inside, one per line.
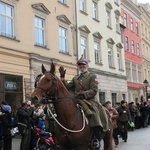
(48,80)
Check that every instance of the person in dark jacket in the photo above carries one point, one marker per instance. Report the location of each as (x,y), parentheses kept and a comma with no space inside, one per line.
(6,126)
(123,118)
(24,118)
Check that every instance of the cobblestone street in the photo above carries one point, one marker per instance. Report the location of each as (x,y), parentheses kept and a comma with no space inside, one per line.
(137,140)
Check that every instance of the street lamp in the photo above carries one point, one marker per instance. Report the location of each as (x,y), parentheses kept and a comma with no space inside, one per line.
(146,85)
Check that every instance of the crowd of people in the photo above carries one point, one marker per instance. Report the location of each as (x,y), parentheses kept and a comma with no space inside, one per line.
(128,116)
(26,118)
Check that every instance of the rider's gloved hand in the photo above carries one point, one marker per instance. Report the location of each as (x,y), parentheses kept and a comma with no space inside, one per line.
(62,71)
(80,95)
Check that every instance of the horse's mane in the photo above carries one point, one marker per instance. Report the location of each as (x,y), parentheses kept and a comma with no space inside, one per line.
(62,85)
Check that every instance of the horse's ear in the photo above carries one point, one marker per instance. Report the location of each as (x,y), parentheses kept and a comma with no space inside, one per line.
(43,69)
(52,68)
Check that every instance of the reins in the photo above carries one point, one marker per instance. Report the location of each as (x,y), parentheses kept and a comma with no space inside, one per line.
(53,98)
(49,112)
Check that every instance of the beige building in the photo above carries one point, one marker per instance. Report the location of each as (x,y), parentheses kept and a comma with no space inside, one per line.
(31,34)
(145,42)
(99,40)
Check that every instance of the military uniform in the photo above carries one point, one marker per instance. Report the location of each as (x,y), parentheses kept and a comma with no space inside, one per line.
(87,84)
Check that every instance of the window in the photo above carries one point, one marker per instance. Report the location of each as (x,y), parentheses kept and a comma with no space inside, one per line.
(39,25)
(119,59)
(116,1)
(82,5)
(62,1)
(139,74)
(146,32)
(125,20)
(83,46)
(134,75)
(142,29)
(127,43)
(138,49)
(144,53)
(102,97)
(97,52)
(62,39)
(95,10)
(137,28)
(108,18)
(114,99)
(128,71)
(6,20)
(110,57)
(132,24)
(133,48)
(117,24)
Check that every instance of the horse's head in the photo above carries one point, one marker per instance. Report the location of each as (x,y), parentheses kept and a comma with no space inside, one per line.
(45,86)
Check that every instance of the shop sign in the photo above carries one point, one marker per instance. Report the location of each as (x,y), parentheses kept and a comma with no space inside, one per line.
(11,85)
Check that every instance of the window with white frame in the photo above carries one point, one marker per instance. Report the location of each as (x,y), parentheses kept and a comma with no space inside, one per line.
(134,73)
(116,1)
(62,1)
(6,20)
(146,32)
(119,59)
(128,71)
(137,28)
(108,18)
(97,52)
(114,99)
(131,24)
(39,31)
(83,46)
(139,74)
(117,23)
(144,53)
(127,43)
(83,5)
(95,10)
(63,40)
(110,57)
(138,49)
(125,20)
(133,46)
(142,29)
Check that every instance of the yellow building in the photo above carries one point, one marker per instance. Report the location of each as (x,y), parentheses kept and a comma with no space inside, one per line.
(145,44)
(31,34)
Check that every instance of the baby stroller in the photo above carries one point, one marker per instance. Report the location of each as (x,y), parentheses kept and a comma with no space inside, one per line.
(44,140)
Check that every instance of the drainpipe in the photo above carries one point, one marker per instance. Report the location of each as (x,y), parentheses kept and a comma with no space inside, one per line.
(76,27)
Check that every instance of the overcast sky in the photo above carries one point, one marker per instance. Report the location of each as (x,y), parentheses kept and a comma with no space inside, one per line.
(143,1)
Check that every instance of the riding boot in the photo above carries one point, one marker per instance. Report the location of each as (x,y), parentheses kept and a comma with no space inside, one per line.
(97,137)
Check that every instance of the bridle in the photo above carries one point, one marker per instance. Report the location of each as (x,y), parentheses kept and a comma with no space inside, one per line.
(53,98)
(51,94)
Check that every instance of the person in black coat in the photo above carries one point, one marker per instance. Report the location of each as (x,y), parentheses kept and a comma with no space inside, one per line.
(24,117)
(6,126)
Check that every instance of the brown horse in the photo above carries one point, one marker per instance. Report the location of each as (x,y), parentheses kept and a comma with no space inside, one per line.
(72,131)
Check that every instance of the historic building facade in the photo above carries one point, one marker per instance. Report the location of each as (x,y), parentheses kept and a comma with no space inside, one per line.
(99,40)
(132,47)
(43,33)
(145,44)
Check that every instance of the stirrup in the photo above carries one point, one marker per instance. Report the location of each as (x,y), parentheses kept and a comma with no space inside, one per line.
(95,143)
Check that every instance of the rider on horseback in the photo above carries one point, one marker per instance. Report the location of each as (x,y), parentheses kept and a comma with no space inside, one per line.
(85,86)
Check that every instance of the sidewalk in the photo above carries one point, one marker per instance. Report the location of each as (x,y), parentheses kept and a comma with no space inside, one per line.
(16,143)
